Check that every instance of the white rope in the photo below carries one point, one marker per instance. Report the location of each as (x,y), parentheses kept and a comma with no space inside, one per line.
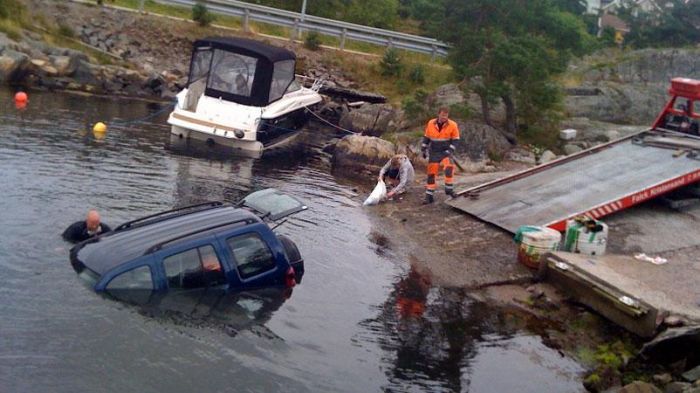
(329,123)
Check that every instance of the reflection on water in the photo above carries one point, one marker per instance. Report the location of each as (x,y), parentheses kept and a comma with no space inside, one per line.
(212,308)
(439,339)
(360,322)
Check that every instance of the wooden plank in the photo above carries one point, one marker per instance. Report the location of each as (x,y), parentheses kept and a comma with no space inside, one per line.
(576,186)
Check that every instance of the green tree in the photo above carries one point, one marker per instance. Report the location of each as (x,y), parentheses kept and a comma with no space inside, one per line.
(391,63)
(511,50)
(576,7)
(676,25)
(375,13)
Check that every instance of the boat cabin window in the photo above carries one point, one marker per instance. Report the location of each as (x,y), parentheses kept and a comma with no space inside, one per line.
(232,73)
(294,86)
(200,64)
(282,76)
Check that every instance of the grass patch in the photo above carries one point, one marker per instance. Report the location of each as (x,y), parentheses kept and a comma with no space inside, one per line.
(369,75)
(274,30)
(156,8)
(11,28)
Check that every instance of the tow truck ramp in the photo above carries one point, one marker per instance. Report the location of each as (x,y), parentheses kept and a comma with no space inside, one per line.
(596,182)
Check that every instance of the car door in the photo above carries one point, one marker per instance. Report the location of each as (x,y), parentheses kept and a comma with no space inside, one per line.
(193,265)
(256,264)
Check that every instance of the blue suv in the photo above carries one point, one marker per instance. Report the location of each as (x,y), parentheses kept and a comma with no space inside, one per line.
(213,244)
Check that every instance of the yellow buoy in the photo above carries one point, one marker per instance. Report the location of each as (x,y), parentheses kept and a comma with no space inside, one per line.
(99,127)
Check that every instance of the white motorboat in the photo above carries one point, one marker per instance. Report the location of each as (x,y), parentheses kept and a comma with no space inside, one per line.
(243,94)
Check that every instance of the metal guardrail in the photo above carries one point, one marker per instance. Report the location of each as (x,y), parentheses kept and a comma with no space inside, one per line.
(302,22)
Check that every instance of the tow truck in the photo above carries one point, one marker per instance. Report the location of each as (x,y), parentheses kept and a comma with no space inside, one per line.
(601,180)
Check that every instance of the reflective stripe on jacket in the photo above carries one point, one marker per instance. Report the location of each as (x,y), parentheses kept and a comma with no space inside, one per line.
(440,139)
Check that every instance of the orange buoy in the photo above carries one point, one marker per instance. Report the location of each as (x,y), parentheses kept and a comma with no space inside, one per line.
(21,98)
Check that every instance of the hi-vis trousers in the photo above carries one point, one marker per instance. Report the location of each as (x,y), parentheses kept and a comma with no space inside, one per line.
(433,169)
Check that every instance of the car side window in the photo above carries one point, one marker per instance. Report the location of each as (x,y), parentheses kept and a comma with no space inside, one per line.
(194,268)
(139,278)
(252,255)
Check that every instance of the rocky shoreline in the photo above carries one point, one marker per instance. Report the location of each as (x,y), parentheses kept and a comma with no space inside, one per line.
(150,61)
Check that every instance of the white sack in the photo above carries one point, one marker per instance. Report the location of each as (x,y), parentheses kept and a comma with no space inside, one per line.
(377,194)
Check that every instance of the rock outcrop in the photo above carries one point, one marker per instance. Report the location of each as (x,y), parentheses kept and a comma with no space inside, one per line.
(359,155)
(629,87)
(370,119)
(479,141)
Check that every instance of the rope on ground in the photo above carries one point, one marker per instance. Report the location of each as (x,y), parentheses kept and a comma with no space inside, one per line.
(148,117)
(329,123)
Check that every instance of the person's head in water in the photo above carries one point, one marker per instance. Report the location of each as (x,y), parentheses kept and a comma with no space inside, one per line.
(443,115)
(92,221)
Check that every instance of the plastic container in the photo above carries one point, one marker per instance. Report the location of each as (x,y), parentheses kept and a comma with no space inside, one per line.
(586,236)
(535,241)
(567,134)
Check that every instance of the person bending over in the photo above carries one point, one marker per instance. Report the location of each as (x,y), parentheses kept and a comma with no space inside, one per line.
(397,173)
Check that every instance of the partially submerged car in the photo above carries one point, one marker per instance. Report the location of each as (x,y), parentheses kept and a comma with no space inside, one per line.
(213,244)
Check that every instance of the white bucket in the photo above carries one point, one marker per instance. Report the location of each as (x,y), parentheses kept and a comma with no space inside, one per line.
(535,241)
(580,239)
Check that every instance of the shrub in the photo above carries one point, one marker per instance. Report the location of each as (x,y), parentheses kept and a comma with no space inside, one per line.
(65,30)
(312,41)
(391,64)
(201,15)
(416,107)
(10,8)
(461,111)
(417,74)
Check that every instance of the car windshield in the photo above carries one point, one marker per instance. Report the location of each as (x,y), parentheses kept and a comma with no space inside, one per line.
(272,204)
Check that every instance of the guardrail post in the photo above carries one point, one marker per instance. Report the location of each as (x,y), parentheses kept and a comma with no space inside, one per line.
(342,38)
(389,43)
(295,30)
(433,54)
(246,20)
(141,5)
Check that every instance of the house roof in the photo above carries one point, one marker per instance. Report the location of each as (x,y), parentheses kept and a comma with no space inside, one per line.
(610,20)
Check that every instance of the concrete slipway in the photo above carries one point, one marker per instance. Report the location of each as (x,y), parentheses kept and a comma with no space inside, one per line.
(635,294)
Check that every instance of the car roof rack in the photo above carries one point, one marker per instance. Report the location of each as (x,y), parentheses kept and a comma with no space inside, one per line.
(169,214)
(160,245)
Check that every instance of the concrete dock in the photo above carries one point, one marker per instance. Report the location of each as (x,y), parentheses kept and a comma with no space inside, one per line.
(635,294)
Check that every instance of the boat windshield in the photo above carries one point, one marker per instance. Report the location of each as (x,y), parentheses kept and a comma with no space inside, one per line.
(282,77)
(200,64)
(232,73)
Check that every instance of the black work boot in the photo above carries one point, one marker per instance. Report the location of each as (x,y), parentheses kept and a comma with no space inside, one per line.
(450,192)
(428,199)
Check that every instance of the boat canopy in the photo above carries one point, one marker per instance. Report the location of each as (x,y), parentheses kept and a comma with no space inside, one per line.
(241,70)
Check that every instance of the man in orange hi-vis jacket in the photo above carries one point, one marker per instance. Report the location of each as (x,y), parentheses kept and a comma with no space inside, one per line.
(439,141)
